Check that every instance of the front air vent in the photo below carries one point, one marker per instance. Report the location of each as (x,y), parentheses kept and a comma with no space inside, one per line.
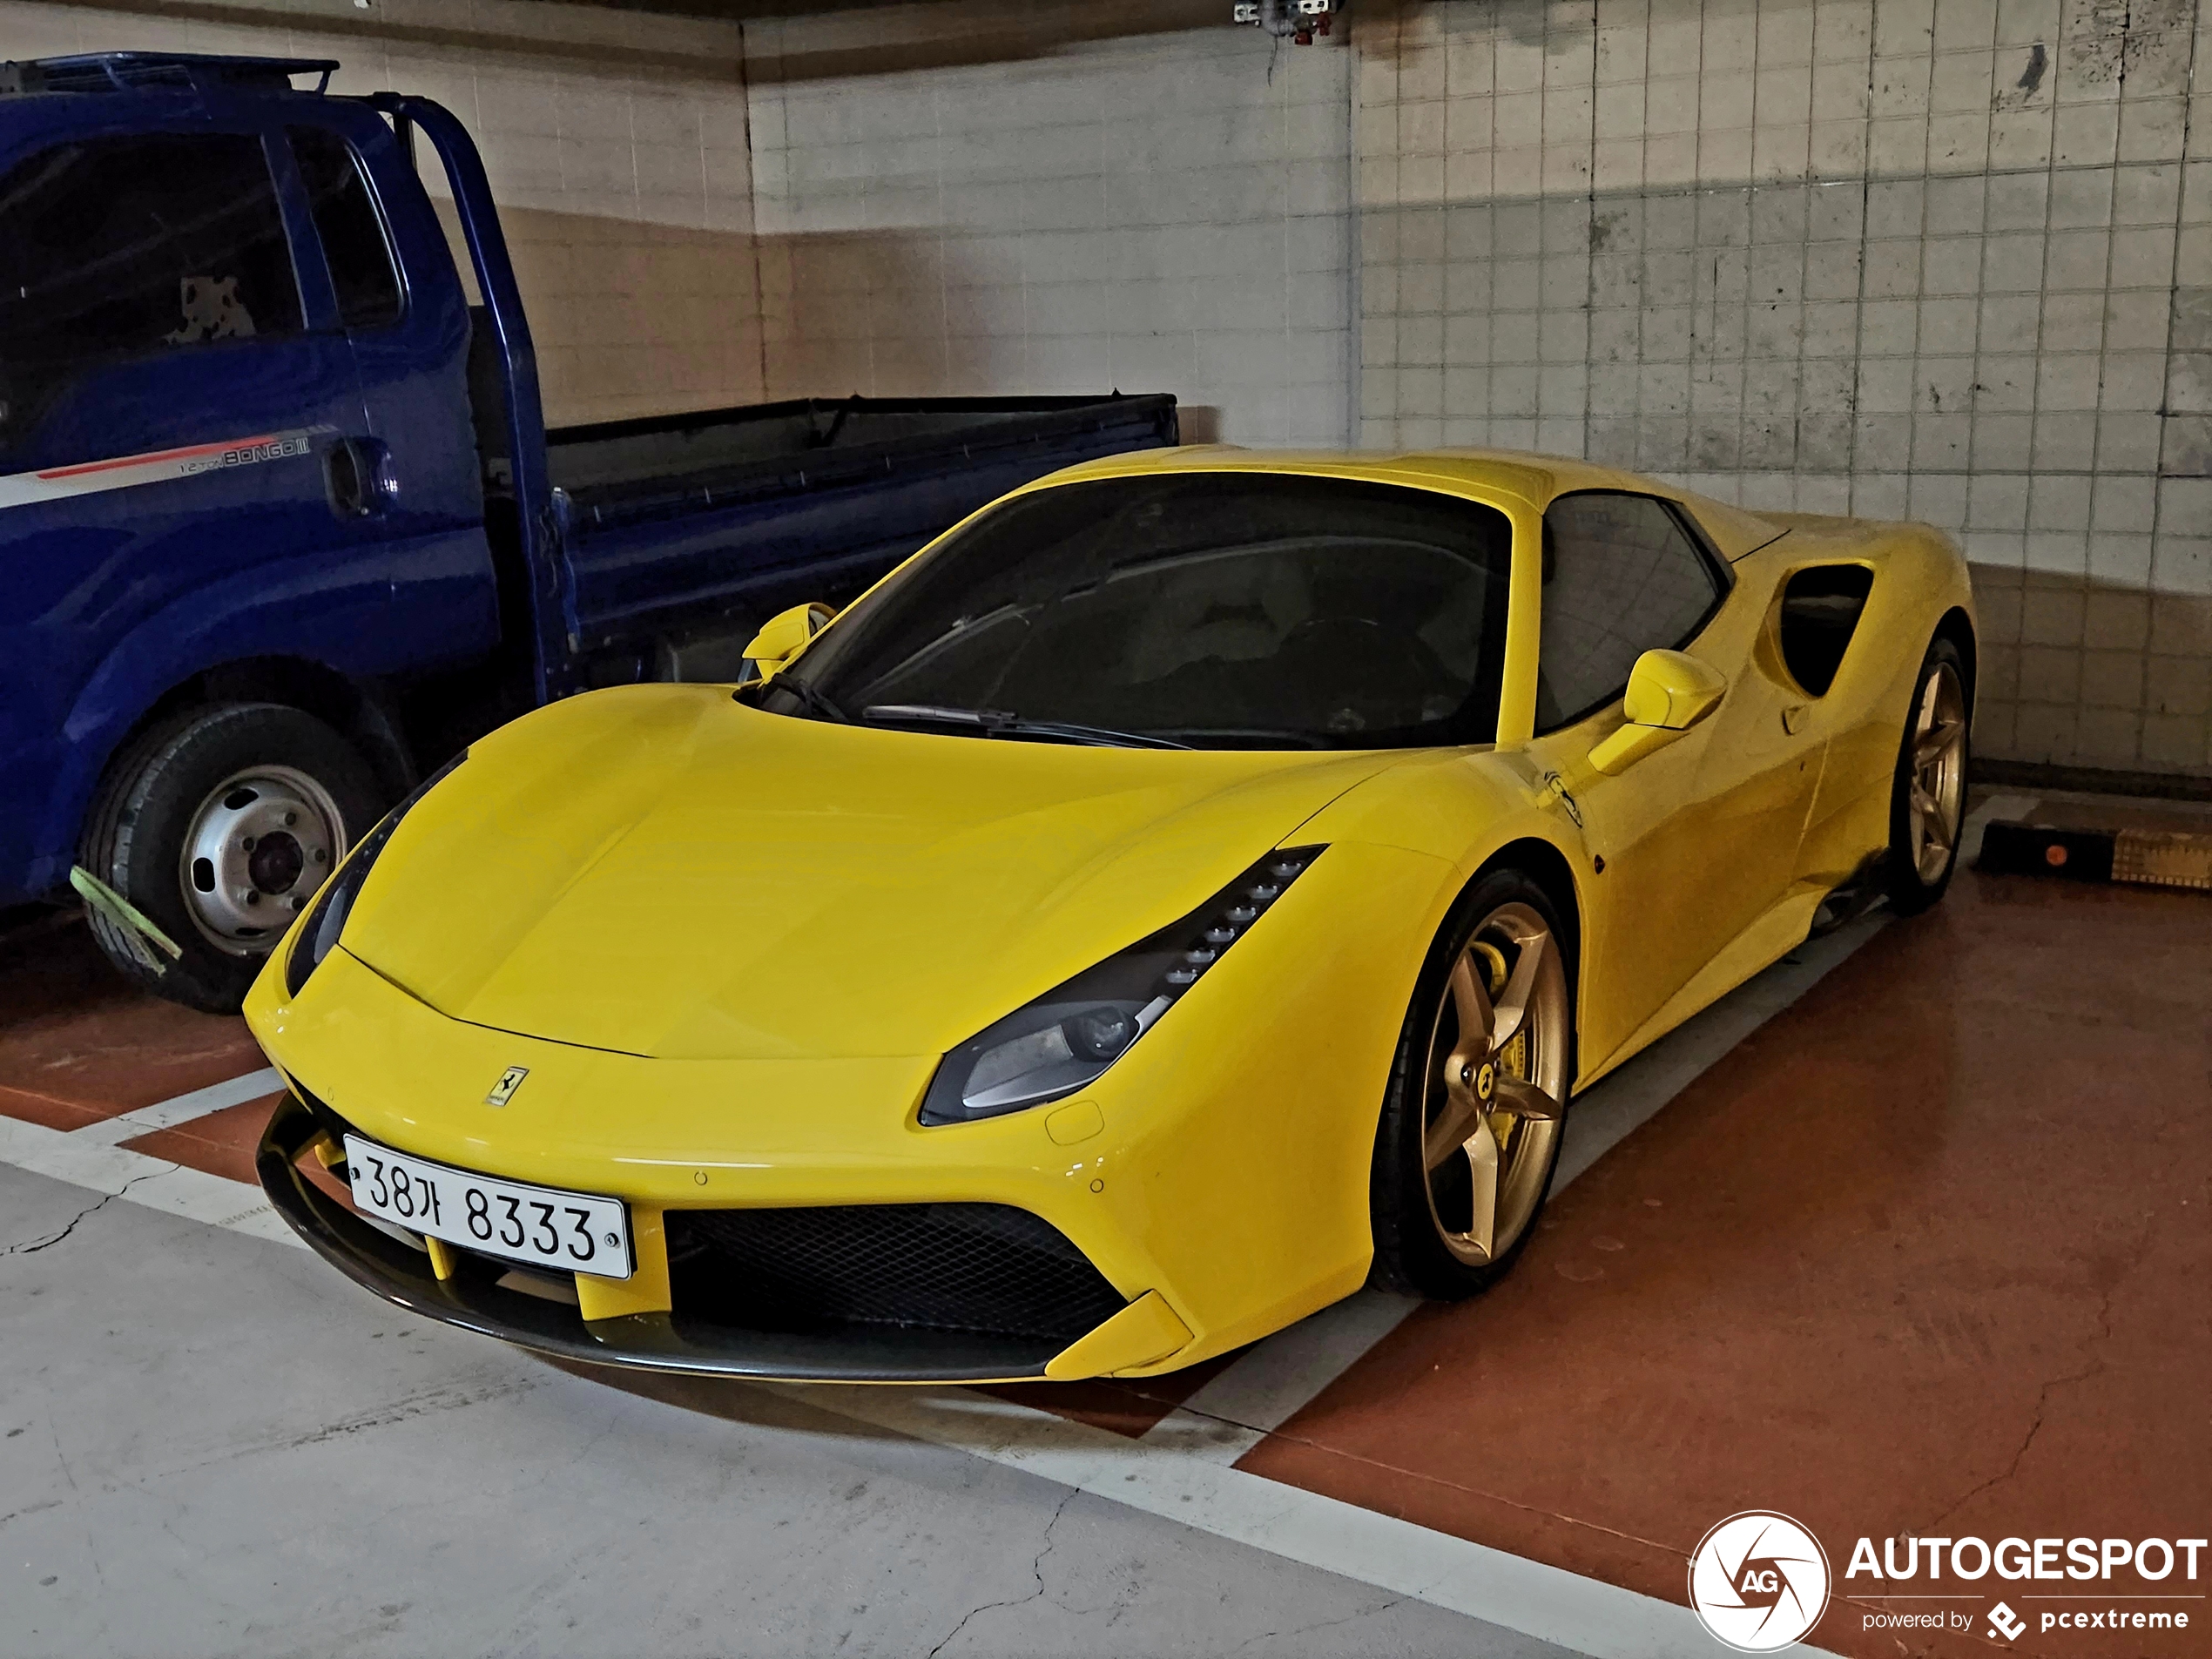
(986,1268)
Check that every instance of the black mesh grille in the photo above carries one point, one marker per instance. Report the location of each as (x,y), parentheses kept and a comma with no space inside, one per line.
(981,1267)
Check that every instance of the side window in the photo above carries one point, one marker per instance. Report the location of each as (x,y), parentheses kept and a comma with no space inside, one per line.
(1621,577)
(352,231)
(116,249)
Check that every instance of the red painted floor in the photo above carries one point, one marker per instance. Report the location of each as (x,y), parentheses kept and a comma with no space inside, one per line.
(1928,1254)
(220,1143)
(78,1043)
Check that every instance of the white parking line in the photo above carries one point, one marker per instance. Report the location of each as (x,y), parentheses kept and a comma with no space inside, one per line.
(1275,1378)
(89,1156)
(155,1182)
(167,1114)
(1550,1603)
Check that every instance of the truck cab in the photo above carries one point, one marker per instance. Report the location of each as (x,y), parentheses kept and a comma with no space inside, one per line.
(281,525)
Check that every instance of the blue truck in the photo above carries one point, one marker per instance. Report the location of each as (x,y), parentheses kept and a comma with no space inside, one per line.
(281,523)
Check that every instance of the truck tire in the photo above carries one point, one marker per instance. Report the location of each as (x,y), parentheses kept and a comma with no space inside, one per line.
(219,825)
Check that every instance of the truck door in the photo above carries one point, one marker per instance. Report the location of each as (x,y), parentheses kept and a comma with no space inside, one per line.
(406,318)
(168,408)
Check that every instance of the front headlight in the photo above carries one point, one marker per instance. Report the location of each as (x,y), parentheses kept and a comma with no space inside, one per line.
(318,936)
(1068,1037)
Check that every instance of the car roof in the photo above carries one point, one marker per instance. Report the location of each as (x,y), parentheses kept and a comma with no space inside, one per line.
(1502,475)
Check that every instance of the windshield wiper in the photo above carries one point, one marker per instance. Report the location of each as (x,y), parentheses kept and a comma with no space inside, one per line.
(1006,721)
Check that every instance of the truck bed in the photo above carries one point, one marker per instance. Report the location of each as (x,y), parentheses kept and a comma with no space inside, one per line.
(620,471)
(677,527)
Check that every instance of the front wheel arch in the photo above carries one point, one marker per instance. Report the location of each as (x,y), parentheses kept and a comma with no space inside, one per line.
(1545,864)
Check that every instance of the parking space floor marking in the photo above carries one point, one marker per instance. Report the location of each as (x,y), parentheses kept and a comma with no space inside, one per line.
(154,1183)
(1278,1375)
(168,1114)
(1546,1602)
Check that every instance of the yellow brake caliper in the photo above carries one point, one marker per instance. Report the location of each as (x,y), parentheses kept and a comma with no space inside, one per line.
(1512,1059)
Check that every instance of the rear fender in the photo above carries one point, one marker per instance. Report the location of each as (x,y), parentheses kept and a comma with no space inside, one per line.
(1920,588)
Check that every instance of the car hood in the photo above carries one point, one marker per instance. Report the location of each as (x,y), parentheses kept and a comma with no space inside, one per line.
(660,870)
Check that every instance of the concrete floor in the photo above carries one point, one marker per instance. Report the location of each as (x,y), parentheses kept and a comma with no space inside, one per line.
(210,1444)
(1918,1244)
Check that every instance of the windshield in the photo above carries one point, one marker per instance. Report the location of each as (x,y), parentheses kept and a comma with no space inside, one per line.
(1211,610)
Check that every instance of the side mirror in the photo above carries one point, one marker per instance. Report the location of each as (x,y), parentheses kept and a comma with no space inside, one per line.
(1668,692)
(781,638)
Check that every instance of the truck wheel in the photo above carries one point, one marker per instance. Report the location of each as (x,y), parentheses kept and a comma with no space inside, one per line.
(219,825)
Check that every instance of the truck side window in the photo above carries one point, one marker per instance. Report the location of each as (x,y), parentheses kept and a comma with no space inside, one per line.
(116,249)
(1621,577)
(353,233)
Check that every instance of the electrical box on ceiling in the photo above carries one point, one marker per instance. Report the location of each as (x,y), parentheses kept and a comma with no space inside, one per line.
(1300,19)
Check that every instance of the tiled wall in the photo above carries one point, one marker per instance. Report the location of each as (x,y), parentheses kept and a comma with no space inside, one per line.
(1159,212)
(617,155)
(1952,261)
(1945,258)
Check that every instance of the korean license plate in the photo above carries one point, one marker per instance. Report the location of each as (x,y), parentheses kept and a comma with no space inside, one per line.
(569,1232)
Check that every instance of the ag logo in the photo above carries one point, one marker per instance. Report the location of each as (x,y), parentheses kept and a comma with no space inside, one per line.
(1759,1580)
(2004,1623)
(510,1081)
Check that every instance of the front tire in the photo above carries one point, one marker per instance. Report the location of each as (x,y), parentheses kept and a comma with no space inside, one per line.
(1471,1126)
(1928,794)
(219,825)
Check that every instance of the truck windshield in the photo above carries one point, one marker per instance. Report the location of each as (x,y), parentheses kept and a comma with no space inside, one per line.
(1229,609)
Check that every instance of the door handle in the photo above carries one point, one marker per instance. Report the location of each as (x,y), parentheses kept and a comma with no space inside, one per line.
(357,478)
(1557,785)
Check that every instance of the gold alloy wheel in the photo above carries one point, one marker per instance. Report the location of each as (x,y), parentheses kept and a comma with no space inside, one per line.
(1496,1073)
(1937,772)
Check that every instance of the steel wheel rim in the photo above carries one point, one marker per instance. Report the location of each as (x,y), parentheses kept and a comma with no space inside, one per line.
(258,847)
(1936,782)
(1493,1078)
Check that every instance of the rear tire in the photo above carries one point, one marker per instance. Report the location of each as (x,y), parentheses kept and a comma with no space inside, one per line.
(219,825)
(1452,1212)
(1928,792)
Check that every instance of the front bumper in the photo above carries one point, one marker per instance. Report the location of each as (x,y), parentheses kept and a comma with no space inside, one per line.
(1215,1178)
(474,1297)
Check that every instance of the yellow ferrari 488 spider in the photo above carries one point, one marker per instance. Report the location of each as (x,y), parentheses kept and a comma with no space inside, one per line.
(1192,887)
